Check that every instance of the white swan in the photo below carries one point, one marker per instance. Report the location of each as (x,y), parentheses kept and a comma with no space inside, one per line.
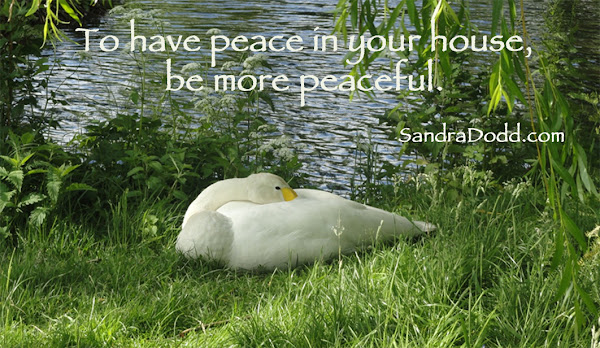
(259,221)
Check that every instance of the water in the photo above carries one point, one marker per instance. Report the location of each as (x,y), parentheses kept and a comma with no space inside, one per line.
(327,125)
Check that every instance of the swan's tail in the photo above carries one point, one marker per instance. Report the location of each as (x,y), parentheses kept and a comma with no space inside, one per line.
(208,234)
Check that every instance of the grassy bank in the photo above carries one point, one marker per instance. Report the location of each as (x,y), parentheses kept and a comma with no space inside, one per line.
(482,279)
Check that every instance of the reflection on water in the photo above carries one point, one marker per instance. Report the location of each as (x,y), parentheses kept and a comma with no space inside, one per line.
(327,125)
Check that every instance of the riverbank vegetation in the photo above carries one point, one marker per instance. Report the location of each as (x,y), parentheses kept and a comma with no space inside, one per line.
(483,278)
(87,228)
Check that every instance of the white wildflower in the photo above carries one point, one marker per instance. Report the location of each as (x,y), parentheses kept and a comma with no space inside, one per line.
(136,13)
(265,128)
(227,101)
(159,23)
(254,61)
(206,104)
(204,92)
(266,147)
(191,67)
(230,65)
(156,12)
(117,10)
(213,31)
(285,154)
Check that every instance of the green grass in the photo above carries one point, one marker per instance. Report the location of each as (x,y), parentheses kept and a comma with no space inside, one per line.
(482,278)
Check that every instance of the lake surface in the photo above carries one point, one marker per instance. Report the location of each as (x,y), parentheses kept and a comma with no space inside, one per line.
(327,126)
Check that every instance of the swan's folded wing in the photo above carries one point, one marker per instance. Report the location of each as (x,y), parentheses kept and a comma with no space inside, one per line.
(208,234)
(279,234)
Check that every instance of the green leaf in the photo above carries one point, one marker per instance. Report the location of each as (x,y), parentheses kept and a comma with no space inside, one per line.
(34,7)
(179,195)
(5,197)
(31,198)
(53,188)
(154,183)
(566,280)
(583,173)
(573,229)
(69,10)
(563,173)
(449,12)
(79,187)
(13,162)
(496,14)
(514,90)
(394,16)
(587,300)
(27,138)
(354,13)
(66,171)
(579,316)
(513,11)
(155,165)
(413,15)
(134,171)
(580,190)
(509,100)
(45,30)
(495,88)
(35,171)
(4,188)
(4,232)
(16,178)
(38,215)
(25,159)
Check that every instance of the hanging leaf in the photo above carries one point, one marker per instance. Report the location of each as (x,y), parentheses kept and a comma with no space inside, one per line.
(69,10)
(587,300)
(496,14)
(583,173)
(574,230)
(565,281)
(563,172)
(35,5)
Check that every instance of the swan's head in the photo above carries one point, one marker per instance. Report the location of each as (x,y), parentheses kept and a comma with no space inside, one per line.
(268,188)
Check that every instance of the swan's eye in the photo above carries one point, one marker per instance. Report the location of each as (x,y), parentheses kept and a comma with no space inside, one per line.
(277,188)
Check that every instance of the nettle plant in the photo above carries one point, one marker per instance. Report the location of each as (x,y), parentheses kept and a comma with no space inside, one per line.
(133,153)
(31,186)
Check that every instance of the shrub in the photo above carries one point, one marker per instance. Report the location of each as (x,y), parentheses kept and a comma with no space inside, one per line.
(34,181)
